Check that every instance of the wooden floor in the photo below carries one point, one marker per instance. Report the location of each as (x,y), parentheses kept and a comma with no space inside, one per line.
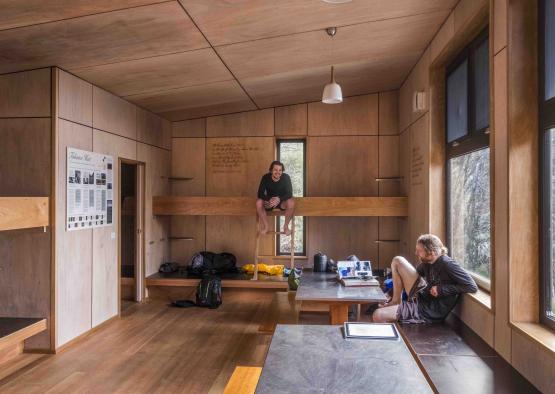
(156,349)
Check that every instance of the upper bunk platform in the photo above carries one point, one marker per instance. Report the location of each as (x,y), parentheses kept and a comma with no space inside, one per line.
(304,206)
(23,212)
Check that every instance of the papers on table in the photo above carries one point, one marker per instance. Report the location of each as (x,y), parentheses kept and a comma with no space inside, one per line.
(371,330)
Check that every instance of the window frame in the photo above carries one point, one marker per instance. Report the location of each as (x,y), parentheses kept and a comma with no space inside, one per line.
(279,141)
(474,140)
(546,123)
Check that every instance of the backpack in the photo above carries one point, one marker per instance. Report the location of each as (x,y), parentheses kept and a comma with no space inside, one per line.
(209,292)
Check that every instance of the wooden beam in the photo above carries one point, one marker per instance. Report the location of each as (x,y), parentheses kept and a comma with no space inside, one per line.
(23,212)
(305,206)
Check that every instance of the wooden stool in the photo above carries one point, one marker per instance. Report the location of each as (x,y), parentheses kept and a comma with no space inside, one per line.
(243,380)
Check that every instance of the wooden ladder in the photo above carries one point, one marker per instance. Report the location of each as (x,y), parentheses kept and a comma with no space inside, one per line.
(257,245)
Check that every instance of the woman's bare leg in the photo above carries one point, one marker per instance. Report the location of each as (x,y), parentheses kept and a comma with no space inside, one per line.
(386,314)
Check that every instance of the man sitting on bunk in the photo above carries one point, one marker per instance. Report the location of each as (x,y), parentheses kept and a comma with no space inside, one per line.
(275,191)
(432,288)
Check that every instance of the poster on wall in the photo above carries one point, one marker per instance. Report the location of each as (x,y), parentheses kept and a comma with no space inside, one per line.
(90,192)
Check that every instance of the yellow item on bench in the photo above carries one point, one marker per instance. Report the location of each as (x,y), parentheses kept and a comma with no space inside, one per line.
(274,270)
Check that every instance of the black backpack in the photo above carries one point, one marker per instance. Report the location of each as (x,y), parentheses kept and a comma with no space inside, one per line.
(209,292)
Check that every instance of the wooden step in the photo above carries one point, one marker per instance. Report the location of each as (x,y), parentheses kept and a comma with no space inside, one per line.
(243,380)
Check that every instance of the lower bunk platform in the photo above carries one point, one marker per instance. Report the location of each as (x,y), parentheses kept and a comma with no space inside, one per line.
(229,280)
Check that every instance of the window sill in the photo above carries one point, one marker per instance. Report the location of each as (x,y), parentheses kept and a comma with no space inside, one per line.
(284,257)
(481,297)
(538,333)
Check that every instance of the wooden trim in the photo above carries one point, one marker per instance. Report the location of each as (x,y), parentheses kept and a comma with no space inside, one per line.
(23,212)
(227,283)
(84,335)
(305,206)
(54,175)
(22,334)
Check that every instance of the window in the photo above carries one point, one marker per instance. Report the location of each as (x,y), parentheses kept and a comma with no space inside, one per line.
(292,154)
(547,141)
(468,160)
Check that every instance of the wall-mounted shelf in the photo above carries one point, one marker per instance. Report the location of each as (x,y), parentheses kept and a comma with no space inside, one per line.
(181,238)
(304,206)
(390,178)
(175,179)
(23,212)
(378,241)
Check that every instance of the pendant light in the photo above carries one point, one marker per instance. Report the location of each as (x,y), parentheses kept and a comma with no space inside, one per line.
(332,91)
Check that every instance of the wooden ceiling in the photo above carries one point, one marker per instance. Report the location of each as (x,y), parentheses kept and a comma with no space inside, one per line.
(194,58)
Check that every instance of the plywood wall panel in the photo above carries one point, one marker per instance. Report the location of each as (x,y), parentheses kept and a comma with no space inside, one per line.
(187,226)
(419,179)
(389,113)
(417,81)
(533,361)
(73,248)
(25,94)
(387,251)
(389,188)
(341,237)
(188,161)
(150,128)
(253,123)
(477,317)
(291,120)
(157,229)
(105,247)
(23,139)
(355,116)
(113,114)
(404,162)
(233,234)
(234,166)
(189,128)
(74,98)
(389,156)
(331,158)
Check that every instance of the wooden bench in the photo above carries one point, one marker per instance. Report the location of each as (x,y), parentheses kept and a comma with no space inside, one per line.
(282,310)
(457,360)
(243,380)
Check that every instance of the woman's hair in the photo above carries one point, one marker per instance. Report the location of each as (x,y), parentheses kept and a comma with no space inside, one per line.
(432,244)
(276,163)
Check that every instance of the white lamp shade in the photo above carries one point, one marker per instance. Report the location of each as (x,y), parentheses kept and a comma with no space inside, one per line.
(332,94)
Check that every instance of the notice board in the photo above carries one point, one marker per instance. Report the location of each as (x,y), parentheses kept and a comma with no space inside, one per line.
(90,194)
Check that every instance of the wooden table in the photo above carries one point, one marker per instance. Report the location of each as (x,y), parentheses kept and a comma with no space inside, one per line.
(323,287)
(317,359)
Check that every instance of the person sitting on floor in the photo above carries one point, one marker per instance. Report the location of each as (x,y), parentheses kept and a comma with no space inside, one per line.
(432,288)
(275,191)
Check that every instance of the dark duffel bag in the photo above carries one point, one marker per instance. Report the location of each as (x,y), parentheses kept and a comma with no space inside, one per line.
(219,263)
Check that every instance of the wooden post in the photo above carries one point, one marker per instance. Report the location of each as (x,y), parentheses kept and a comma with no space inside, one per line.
(292,244)
(255,262)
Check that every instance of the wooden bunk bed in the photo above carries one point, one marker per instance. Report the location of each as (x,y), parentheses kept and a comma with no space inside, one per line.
(244,206)
(19,213)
